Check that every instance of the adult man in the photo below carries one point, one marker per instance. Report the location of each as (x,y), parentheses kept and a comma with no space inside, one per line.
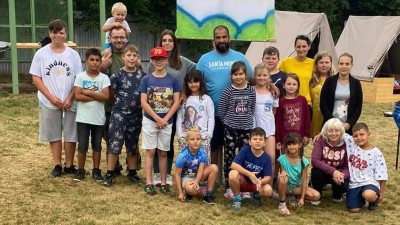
(53,70)
(216,66)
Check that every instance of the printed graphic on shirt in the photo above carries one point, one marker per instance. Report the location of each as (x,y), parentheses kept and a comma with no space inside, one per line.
(241,104)
(192,116)
(358,162)
(330,155)
(191,167)
(91,85)
(58,68)
(220,65)
(160,98)
(293,115)
(252,167)
(342,111)
(268,106)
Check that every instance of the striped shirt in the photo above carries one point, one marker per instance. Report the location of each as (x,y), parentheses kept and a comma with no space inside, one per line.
(236,107)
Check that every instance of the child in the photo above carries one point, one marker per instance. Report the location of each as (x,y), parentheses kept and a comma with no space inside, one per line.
(368,172)
(198,110)
(126,115)
(265,109)
(271,58)
(190,169)
(251,170)
(118,12)
(236,109)
(293,112)
(160,93)
(293,174)
(91,91)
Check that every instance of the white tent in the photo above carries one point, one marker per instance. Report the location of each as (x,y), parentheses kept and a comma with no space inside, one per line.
(290,24)
(373,42)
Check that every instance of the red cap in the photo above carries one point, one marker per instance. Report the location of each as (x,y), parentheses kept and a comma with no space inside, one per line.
(158,52)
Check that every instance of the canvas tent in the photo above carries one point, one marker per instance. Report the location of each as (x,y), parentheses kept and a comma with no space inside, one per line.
(290,24)
(374,43)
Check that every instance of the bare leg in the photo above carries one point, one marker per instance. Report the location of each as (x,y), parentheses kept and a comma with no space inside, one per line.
(210,174)
(235,179)
(132,161)
(81,160)
(69,153)
(270,150)
(96,155)
(112,159)
(149,165)
(55,148)
(282,188)
(162,161)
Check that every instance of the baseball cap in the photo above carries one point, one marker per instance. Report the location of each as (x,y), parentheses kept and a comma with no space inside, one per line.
(158,52)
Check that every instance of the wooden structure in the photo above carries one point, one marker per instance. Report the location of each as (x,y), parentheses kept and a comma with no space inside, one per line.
(380,90)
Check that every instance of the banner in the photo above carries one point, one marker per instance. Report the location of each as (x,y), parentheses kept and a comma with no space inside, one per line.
(247,20)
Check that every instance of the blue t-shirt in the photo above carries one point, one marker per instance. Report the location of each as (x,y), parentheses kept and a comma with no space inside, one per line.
(293,171)
(252,163)
(190,162)
(216,68)
(160,93)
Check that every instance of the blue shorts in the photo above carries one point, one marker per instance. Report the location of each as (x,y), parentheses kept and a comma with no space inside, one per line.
(354,198)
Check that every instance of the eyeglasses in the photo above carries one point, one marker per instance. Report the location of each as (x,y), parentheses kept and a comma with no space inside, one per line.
(158,59)
(119,38)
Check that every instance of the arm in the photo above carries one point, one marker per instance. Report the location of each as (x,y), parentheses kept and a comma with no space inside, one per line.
(103,95)
(43,89)
(251,175)
(109,26)
(223,104)
(179,119)
(307,123)
(316,158)
(178,182)
(324,100)
(382,184)
(80,96)
(199,175)
(68,102)
(147,108)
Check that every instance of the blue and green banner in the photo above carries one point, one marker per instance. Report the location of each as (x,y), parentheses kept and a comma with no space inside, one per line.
(247,20)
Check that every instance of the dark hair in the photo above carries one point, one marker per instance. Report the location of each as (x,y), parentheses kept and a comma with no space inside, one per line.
(220,27)
(294,138)
(238,65)
(271,50)
(360,126)
(347,55)
(195,76)
(304,38)
(57,25)
(131,48)
(296,78)
(258,131)
(174,59)
(92,51)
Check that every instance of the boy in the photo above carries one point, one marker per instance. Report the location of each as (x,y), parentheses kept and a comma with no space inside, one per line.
(160,100)
(368,172)
(190,169)
(251,170)
(126,115)
(118,12)
(271,58)
(91,91)
(53,70)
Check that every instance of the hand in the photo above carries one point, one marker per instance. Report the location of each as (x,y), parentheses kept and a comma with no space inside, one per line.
(300,202)
(195,185)
(118,24)
(67,104)
(346,126)
(254,178)
(306,140)
(278,146)
(161,123)
(283,175)
(56,102)
(316,138)
(107,57)
(181,197)
(380,198)
(337,176)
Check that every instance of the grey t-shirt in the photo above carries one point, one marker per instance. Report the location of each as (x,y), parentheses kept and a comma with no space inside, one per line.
(187,66)
(342,96)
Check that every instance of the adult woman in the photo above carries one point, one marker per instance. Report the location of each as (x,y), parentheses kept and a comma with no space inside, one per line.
(300,65)
(329,160)
(341,95)
(322,69)
(178,66)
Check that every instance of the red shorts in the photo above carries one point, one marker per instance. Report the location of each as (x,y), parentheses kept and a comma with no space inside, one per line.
(247,186)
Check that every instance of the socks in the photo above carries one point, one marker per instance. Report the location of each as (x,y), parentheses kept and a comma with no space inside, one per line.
(237,198)
(111,172)
(132,172)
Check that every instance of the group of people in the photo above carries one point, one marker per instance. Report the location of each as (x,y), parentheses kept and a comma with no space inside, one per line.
(262,118)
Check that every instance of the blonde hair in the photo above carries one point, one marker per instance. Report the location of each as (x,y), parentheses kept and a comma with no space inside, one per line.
(315,73)
(192,129)
(257,69)
(118,5)
(335,124)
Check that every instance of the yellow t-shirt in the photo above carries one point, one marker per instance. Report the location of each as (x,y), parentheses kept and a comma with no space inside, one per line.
(303,70)
(317,118)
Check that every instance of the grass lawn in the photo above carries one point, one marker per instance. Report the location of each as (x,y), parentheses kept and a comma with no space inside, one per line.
(29,196)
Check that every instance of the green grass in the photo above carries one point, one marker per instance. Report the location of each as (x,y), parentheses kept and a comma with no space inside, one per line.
(29,196)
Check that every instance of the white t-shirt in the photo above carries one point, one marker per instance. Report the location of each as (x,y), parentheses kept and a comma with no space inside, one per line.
(196,112)
(263,114)
(365,166)
(58,71)
(111,20)
(91,112)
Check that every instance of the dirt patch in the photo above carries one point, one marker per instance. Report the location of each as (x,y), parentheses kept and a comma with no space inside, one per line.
(24,82)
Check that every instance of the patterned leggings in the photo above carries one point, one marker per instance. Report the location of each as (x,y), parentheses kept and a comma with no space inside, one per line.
(234,139)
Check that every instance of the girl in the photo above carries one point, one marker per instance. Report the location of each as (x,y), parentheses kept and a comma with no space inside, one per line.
(293,174)
(236,110)
(197,111)
(265,109)
(342,96)
(329,160)
(293,112)
(322,69)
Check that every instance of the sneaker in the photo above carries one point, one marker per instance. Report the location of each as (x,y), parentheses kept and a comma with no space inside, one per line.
(315,203)
(149,189)
(108,180)
(80,175)
(236,205)
(229,194)
(372,206)
(96,175)
(70,170)
(337,200)
(157,179)
(282,208)
(208,199)
(245,195)
(170,179)
(256,199)
(57,171)
(275,195)
(134,179)
(292,200)
(164,189)
(188,197)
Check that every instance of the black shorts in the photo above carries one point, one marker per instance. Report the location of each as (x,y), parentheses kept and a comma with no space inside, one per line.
(217,141)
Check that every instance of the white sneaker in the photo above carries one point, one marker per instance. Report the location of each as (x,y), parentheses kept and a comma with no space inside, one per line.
(156,179)
(337,200)
(170,179)
(229,194)
(245,195)
(315,203)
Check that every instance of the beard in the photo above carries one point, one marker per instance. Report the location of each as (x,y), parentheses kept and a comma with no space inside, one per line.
(222,47)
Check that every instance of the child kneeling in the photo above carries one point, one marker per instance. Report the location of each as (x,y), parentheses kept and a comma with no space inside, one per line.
(190,169)
(251,170)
